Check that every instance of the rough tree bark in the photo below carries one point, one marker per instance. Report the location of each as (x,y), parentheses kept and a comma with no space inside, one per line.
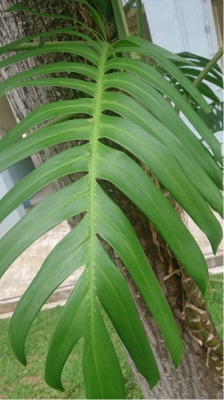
(197,376)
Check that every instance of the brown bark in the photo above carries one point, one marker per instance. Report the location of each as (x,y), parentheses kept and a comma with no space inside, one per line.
(193,379)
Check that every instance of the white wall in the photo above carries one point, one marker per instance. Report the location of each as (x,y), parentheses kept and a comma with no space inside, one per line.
(7,121)
(184,25)
(6,184)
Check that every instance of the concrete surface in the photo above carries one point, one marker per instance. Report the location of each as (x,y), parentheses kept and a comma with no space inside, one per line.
(21,273)
(214,262)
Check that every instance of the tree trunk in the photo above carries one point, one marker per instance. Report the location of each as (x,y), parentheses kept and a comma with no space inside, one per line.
(197,376)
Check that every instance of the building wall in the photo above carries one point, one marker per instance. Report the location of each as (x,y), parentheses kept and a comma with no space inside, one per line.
(180,25)
(15,173)
(6,184)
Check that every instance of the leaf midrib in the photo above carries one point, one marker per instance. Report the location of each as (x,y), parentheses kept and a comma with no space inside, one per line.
(92,194)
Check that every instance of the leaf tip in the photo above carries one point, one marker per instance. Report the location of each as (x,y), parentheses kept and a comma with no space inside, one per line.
(53,381)
(153,382)
(179,354)
(12,8)
(20,356)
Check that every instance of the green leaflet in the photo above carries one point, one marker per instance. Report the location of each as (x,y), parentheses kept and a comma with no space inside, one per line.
(8,47)
(44,113)
(45,137)
(23,44)
(68,47)
(18,7)
(83,69)
(148,46)
(76,84)
(70,161)
(156,136)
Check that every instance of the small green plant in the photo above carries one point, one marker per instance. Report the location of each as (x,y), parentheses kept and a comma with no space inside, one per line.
(145,124)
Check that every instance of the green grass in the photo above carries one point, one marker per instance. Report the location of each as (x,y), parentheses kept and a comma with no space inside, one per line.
(214,300)
(18,382)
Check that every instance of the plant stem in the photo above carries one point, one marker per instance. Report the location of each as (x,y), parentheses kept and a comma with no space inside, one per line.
(140,23)
(216,280)
(140,19)
(128,6)
(120,18)
(208,67)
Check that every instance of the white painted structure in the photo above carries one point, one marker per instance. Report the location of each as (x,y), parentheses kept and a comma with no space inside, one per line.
(180,25)
(7,121)
(187,25)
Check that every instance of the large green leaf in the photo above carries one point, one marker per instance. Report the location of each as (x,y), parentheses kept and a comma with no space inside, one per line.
(150,75)
(154,134)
